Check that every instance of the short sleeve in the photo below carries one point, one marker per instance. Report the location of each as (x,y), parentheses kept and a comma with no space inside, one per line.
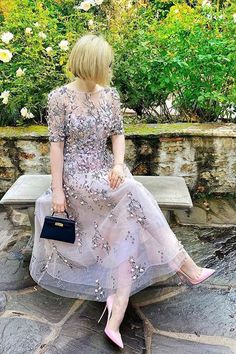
(55,117)
(117,118)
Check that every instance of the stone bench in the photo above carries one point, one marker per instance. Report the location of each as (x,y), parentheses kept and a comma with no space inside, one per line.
(170,192)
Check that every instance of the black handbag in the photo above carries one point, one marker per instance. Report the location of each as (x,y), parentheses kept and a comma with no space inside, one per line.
(59,229)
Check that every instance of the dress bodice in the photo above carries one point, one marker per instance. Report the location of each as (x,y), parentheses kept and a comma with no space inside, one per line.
(84,121)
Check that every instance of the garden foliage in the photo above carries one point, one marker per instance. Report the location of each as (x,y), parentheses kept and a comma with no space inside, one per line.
(179,49)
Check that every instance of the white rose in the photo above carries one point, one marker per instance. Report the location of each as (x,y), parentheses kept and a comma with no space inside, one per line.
(234,17)
(42,35)
(36,24)
(5,95)
(49,50)
(64,44)
(28,30)
(98,2)
(24,111)
(20,72)
(6,37)
(29,115)
(5,55)
(85,6)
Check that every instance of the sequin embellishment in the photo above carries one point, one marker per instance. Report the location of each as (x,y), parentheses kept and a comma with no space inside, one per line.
(136,270)
(129,236)
(99,291)
(99,241)
(135,210)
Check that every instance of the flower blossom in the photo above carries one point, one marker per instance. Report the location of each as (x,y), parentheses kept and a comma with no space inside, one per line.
(5,95)
(64,45)
(20,72)
(25,113)
(6,37)
(5,55)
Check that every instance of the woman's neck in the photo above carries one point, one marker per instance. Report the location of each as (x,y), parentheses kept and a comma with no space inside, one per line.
(85,86)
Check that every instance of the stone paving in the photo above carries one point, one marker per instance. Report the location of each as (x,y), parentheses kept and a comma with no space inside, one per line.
(165,317)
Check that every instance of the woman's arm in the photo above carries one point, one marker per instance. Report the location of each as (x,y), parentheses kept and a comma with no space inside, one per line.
(56,127)
(118,140)
(117,129)
(56,160)
(118,148)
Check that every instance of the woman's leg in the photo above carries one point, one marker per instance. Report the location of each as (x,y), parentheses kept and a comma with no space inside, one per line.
(191,268)
(121,297)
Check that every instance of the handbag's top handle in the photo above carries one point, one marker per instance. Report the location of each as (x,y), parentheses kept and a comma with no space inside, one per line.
(65,211)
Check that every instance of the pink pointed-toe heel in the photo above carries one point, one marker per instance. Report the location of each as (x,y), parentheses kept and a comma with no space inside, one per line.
(114,336)
(206,273)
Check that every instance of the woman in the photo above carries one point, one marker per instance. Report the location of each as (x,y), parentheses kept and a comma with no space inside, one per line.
(123,241)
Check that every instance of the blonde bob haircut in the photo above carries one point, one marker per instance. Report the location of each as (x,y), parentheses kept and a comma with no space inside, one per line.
(91,58)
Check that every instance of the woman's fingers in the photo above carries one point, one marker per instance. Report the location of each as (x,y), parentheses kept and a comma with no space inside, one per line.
(115,180)
(58,208)
(59,203)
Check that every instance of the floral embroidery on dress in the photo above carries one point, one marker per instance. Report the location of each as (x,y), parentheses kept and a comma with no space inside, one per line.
(162,255)
(55,117)
(136,270)
(99,291)
(129,236)
(112,216)
(113,282)
(135,209)
(99,259)
(99,241)
(117,126)
(64,259)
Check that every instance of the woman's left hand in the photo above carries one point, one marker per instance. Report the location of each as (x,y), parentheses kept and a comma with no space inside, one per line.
(116,176)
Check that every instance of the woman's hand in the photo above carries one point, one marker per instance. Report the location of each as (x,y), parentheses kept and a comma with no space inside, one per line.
(116,176)
(58,201)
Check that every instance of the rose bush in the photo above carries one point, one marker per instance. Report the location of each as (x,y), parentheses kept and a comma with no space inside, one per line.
(179,49)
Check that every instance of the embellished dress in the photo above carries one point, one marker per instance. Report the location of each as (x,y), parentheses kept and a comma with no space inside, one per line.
(123,241)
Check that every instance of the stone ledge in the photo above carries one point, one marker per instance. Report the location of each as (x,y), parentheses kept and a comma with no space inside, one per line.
(143,129)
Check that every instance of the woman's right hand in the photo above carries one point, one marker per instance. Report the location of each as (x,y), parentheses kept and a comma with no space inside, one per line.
(58,201)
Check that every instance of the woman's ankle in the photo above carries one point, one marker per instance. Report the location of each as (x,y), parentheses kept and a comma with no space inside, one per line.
(191,269)
(117,313)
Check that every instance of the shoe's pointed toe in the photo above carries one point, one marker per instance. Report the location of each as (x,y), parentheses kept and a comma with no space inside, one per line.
(115,337)
(206,273)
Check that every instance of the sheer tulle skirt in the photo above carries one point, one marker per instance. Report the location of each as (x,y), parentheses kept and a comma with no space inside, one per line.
(123,241)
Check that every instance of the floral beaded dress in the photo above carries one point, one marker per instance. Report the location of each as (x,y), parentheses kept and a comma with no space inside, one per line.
(123,241)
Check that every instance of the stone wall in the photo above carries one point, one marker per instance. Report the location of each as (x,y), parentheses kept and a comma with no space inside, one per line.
(204,154)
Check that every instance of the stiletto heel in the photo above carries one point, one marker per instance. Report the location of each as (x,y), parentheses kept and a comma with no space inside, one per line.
(102,313)
(206,273)
(113,335)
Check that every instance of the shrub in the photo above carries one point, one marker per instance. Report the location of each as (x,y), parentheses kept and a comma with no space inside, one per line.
(162,49)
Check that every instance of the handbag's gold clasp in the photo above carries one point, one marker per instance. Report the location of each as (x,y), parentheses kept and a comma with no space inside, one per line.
(59,224)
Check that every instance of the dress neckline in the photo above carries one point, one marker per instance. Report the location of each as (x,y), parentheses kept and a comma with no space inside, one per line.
(85,92)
